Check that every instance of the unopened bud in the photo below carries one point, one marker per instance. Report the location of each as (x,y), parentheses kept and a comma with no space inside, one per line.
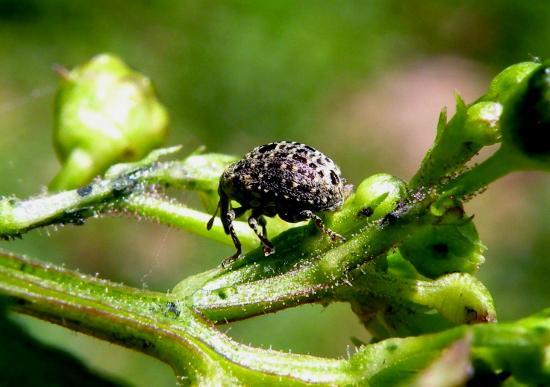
(105,113)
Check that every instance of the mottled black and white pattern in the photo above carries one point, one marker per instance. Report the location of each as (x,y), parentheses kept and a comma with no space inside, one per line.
(284,178)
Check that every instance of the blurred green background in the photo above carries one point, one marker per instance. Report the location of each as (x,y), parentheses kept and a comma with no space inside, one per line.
(363,81)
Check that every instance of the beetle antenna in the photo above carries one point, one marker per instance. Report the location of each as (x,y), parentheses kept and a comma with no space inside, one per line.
(211,221)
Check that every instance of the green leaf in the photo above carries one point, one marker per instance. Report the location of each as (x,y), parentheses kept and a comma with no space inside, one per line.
(439,249)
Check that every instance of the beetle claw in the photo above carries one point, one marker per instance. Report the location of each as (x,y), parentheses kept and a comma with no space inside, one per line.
(268,250)
(229,260)
(336,237)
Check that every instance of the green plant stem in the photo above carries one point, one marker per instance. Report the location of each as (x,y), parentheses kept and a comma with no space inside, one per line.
(176,215)
(154,323)
(172,213)
(159,325)
(459,298)
(71,208)
(480,176)
(105,310)
(262,289)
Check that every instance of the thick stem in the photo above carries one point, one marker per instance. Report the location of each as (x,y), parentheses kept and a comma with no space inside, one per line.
(176,215)
(159,325)
(153,323)
(459,298)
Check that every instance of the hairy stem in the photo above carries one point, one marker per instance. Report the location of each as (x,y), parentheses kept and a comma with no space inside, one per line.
(480,176)
(124,190)
(159,325)
(154,323)
(177,215)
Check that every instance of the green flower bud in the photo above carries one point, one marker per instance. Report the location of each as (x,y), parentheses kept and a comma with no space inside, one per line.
(460,298)
(471,128)
(444,248)
(526,120)
(482,123)
(506,81)
(525,128)
(104,113)
(458,140)
(405,307)
(374,198)
(381,192)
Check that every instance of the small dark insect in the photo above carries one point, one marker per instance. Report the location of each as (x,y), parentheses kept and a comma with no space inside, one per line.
(284,178)
(173,308)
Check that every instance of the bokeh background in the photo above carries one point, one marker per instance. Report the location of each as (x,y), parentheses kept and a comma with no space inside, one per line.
(363,81)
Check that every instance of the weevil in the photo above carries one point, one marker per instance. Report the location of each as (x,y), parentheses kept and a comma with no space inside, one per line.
(288,179)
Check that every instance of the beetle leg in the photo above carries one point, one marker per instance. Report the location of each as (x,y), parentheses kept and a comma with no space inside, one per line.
(321,226)
(224,211)
(225,207)
(229,216)
(261,220)
(266,244)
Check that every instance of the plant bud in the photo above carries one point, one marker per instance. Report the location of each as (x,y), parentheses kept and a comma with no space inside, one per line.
(471,128)
(404,307)
(482,123)
(526,120)
(382,192)
(374,198)
(507,80)
(439,249)
(105,113)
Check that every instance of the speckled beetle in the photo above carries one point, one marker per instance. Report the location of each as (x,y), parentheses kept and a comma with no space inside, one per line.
(284,178)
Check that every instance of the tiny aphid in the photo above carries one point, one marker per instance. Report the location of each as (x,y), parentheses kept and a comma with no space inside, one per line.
(284,178)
